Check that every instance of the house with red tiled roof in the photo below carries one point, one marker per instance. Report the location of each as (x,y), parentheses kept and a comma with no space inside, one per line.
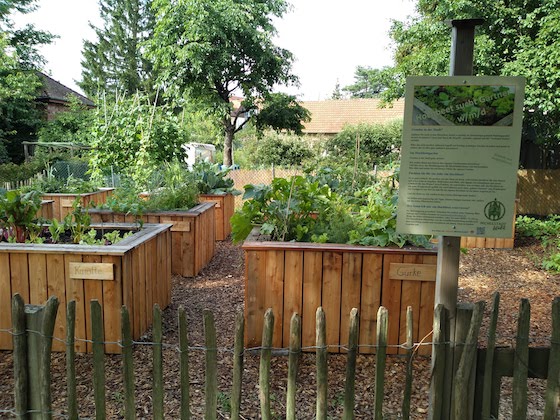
(329,117)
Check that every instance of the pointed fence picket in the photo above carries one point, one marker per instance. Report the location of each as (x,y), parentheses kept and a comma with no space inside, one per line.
(476,385)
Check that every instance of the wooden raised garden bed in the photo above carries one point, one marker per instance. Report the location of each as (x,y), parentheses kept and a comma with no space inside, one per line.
(136,272)
(46,210)
(299,277)
(192,234)
(225,207)
(62,203)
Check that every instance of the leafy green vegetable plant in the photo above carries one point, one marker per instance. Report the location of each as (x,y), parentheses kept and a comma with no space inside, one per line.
(56,229)
(78,222)
(286,210)
(17,214)
(301,209)
(212,179)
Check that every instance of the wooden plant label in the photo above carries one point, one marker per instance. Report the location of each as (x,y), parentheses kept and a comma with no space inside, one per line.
(420,272)
(91,271)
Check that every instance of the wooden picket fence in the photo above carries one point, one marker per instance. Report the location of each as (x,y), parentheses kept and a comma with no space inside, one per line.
(476,383)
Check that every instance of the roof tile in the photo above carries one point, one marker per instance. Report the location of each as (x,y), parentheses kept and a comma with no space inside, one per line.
(329,117)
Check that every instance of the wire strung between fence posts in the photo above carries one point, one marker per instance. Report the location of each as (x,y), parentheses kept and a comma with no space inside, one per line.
(404,346)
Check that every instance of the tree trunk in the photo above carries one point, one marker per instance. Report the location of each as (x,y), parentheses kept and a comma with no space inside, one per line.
(228,145)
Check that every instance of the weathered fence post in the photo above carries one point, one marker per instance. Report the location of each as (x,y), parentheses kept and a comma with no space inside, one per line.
(33,321)
(157,364)
(264,366)
(489,362)
(521,362)
(72,396)
(98,360)
(464,377)
(463,317)
(409,355)
(553,382)
(349,386)
(33,327)
(238,357)
(293,359)
(21,383)
(184,365)
(128,365)
(211,382)
(47,329)
(380,359)
(322,369)
(438,363)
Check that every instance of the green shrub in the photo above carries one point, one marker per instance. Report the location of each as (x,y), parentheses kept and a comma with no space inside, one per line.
(548,232)
(378,143)
(273,149)
(10,172)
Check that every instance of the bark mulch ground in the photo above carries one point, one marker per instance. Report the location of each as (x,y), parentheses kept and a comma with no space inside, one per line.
(219,287)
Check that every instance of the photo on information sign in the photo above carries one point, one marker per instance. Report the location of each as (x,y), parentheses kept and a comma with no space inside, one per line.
(463,105)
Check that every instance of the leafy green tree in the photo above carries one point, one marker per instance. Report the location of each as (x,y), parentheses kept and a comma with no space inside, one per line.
(115,62)
(19,115)
(518,37)
(282,112)
(369,82)
(213,49)
(23,41)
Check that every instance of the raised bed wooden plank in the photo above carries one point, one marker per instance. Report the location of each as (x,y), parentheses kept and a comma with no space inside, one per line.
(5,303)
(351,289)
(391,299)
(224,209)
(274,298)
(56,264)
(332,283)
(332,280)
(372,268)
(312,279)
(193,234)
(293,289)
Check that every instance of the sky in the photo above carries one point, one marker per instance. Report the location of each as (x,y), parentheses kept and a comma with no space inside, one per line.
(328,39)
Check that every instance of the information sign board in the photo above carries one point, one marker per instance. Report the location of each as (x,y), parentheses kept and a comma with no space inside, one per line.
(460,154)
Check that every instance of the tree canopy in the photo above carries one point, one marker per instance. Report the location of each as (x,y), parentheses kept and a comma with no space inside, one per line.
(115,61)
(518,37)
(214,49)
(19,57)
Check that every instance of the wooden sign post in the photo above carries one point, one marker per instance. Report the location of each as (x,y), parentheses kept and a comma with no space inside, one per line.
(447,274)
